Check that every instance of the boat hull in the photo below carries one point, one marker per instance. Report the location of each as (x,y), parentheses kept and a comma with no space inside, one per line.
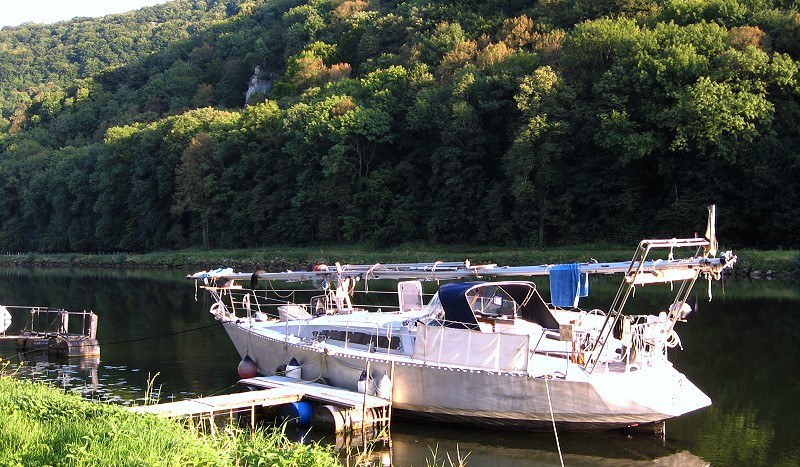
(441,393)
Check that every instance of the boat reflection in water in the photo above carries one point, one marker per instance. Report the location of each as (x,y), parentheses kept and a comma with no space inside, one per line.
(420,445)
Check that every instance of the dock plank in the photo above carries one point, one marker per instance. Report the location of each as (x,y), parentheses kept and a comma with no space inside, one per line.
(224,403)
(319,392)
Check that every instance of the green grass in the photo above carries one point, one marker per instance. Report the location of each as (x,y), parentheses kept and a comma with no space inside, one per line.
(39,425)
(763,260)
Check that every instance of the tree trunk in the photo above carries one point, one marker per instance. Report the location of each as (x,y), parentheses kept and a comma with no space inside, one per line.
(542,216)
(204,227)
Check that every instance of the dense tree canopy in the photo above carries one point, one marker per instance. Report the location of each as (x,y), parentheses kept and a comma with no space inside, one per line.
(499,122)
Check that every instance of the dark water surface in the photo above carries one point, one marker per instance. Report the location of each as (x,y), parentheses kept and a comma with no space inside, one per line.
(741,349)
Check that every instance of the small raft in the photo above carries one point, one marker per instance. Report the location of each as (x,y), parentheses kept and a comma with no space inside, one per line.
(61,333)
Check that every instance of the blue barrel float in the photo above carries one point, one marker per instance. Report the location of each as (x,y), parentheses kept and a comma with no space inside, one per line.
(298,412)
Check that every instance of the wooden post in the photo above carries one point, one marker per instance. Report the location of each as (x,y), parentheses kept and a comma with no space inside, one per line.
(92,325)
(391,398)
(64,322)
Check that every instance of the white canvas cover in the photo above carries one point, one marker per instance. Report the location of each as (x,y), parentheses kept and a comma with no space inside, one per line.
(463,347)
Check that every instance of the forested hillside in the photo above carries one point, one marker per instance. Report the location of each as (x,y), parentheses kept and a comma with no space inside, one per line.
(498,122)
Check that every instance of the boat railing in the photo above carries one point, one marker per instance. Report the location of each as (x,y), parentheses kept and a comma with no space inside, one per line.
(684,272)
(374,338)
(641,340)
(575,342)
(234,301)
(650,337)
(567,345)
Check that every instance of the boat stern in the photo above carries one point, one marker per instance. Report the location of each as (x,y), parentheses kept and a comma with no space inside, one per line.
(656,393)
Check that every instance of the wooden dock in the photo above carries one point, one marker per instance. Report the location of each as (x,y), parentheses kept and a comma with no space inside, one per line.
(280,390)
(215,405)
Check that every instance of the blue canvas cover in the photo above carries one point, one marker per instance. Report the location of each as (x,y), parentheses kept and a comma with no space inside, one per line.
(457,312)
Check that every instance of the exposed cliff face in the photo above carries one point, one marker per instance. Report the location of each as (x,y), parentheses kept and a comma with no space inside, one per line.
(260,84)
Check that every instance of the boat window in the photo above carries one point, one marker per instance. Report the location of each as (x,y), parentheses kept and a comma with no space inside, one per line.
(434,309)
(361,338)
(492,301)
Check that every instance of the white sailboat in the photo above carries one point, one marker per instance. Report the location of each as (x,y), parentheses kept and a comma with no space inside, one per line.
(486,349)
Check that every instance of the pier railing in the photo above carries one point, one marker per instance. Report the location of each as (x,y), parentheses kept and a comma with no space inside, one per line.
(47,321)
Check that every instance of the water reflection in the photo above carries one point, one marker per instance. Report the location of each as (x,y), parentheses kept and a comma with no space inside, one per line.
(420,445)
(412,446)
(78,373)
(739,349)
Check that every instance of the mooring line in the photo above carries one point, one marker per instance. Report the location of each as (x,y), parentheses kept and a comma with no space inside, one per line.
(139,339)
(161,335)
(553,418)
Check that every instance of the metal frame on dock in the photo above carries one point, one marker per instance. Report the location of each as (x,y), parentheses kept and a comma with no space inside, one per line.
(54,334)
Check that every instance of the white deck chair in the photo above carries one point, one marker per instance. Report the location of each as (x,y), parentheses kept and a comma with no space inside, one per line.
(410,295)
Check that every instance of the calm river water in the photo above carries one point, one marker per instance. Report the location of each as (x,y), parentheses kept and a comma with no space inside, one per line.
(739,348)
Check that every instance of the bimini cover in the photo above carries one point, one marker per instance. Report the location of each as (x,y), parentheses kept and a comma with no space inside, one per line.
(535,309)
(457,312)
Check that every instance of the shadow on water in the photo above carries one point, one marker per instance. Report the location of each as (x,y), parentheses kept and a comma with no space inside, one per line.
(739,349)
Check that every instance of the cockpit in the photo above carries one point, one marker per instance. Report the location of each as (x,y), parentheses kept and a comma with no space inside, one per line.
(468,304)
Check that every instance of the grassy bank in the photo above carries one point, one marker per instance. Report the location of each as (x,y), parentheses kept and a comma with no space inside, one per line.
(781,261)
(279,259)
(39,425)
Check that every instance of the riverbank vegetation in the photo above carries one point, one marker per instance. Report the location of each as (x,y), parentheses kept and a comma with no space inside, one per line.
(750,262)
(39,425)
(500,123)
